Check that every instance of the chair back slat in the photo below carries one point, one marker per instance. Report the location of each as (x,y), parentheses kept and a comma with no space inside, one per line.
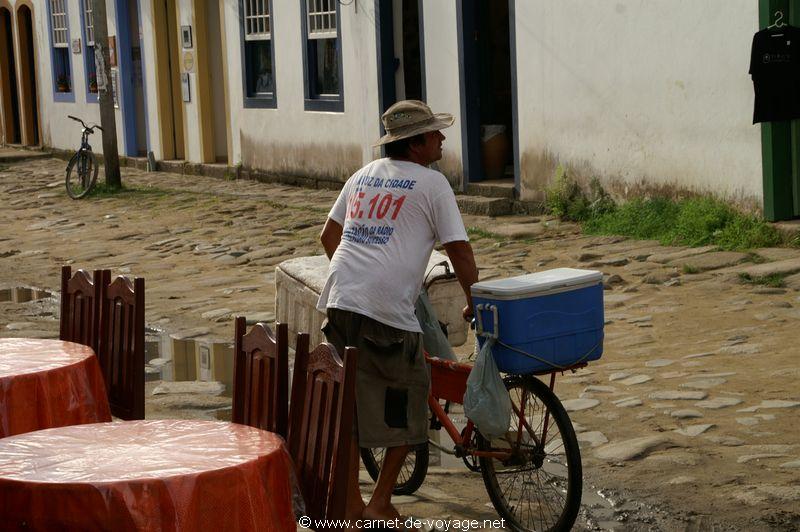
(121,345)
(321,425)
(261,376)
(80,306)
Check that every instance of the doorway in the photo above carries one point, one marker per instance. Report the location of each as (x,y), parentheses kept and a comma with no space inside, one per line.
(28,95)
(131,78)
(488,108)
(168,86)
(215,110)
(8,80)
(401,61)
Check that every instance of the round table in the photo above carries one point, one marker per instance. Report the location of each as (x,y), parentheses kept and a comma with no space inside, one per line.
(147,475)
(49,383)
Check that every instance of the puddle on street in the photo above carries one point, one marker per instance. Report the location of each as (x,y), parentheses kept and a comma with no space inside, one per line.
(23,294)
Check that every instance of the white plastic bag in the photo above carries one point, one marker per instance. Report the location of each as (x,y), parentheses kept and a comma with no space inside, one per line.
(433,338)
(486,401)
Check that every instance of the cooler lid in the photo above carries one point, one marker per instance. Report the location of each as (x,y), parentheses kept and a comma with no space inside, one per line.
(533,284)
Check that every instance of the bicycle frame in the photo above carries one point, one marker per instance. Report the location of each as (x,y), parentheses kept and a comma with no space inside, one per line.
(457,374)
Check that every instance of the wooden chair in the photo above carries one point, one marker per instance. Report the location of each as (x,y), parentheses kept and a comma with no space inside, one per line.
(321,425)
(261,376)
(80,306)
(121,344)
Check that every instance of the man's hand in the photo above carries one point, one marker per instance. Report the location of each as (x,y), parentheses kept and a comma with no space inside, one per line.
(468,313)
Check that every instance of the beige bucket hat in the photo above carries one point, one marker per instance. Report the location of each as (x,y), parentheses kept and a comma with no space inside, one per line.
(407,118)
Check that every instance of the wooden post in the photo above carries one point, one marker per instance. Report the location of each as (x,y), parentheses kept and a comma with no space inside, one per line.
(107,116)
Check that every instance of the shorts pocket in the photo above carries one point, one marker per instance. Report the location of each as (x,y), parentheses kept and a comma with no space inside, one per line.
(395,408)
(384,339)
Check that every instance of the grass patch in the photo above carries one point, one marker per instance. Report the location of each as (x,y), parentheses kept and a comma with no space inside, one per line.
(689,269)
(689,222)
(102,190)
(697,221)
(775,280)
(477,233)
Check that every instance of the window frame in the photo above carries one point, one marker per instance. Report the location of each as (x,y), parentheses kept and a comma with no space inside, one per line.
(60,96)
(91,97)
(260,101)
(321,102)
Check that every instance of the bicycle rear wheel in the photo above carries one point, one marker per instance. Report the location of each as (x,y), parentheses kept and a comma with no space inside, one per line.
(81,174)
(411,476)
(538,487)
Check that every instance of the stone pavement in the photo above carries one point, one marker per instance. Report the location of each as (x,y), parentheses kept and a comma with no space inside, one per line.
(690,419)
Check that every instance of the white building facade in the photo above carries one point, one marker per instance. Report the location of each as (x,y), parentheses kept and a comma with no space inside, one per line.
(649,97)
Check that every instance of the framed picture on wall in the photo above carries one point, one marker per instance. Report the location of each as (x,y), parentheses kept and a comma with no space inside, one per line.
(186,36)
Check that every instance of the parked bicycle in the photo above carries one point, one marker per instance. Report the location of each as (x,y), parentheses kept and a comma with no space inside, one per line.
(533,474)
(82,167)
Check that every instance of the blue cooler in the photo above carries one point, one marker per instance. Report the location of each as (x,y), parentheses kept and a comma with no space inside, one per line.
(542,321)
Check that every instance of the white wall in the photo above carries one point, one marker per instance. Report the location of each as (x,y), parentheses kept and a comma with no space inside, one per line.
(441,78)
(288,139)
(634,91)
(191,110)
(58,131)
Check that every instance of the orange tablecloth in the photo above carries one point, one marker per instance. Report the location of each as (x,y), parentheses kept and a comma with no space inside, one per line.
(49,383)
(146,475)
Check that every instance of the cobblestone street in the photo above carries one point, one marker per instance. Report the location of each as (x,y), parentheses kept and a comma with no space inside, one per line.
(691,420)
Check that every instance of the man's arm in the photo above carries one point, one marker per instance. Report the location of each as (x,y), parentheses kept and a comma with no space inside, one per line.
(331,236)
(463,260)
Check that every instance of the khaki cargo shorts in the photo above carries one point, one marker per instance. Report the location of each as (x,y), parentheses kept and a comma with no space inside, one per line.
(392,379)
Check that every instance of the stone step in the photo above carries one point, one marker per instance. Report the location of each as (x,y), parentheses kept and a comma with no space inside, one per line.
(496,188)
(484,206)
(11,155)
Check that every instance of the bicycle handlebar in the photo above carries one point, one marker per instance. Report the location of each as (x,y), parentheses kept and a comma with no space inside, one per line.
(92,127)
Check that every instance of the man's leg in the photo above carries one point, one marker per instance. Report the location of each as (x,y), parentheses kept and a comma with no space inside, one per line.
(380,504)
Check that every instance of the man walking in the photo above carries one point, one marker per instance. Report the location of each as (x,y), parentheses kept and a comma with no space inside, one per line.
(379,236)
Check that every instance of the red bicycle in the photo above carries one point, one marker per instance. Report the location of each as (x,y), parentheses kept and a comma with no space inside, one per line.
(532,474)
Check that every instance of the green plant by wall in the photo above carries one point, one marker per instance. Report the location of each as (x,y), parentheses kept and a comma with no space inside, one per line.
(698,221)
(566,200)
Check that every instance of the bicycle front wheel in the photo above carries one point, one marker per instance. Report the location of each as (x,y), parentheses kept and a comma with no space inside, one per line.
(412,474)
(537,485)
(81,174)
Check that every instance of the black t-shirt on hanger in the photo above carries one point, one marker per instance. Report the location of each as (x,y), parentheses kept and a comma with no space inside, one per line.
(775,67)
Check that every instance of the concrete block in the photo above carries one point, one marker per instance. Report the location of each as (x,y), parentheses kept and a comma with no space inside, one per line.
(298,283)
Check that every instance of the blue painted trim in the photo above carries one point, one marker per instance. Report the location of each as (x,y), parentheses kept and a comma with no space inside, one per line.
(512,31)
(267,101)
(125,77)
(315,102)
(64,97)
(423,79)
(91,97)
(470,126)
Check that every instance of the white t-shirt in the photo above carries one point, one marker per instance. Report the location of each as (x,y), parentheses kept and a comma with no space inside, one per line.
(392,213)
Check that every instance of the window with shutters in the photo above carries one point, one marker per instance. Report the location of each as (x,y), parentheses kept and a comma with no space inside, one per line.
(60,51)
(258,58)
(322,55)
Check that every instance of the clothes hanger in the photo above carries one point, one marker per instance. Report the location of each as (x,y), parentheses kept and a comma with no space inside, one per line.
(777,24)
